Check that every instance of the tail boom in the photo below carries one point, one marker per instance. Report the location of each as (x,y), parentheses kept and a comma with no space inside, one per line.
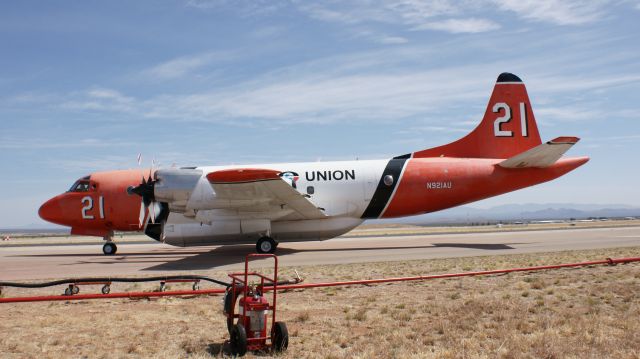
(433,184)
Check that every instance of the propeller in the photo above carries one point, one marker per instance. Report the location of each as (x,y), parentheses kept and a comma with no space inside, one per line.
(145,191)
(148,203)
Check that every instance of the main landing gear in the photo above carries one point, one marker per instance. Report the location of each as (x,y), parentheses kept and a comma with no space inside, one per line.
(109,248)
(266,245)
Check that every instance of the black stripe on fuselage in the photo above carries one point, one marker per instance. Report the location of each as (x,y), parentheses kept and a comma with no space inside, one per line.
(408,155)
(383,192)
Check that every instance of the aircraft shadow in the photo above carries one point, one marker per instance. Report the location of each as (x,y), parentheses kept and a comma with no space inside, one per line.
(189,260)
(485,246)
(235,254)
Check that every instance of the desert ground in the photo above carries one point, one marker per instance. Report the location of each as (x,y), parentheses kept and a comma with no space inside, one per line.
(589,312)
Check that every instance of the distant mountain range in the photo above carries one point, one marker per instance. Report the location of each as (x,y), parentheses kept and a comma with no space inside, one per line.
(523,212)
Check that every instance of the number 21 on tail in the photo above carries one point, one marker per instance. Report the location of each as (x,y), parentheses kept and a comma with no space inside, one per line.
(497,124)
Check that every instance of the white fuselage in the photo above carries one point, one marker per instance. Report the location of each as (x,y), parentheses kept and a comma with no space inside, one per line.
(341,189)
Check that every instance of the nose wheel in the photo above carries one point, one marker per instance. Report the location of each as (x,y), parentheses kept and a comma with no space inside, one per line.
(109,249)
(266,245)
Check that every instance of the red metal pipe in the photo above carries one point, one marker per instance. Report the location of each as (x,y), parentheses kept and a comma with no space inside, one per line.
(48,298)
(608,261)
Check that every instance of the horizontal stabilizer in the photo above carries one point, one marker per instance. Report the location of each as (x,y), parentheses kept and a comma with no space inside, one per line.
(541,156)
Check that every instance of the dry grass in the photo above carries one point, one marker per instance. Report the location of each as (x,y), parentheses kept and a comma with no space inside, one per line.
(570,313)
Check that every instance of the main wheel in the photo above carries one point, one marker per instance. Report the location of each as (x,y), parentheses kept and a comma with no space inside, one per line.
(280,337)
(238,340)
(266,245)
(109,248)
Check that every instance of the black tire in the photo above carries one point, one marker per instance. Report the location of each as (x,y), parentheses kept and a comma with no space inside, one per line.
(238,340)
(280,337)
(68,291)
(76,289)
(266,245)
(228,306)
(109,249)
(106,289)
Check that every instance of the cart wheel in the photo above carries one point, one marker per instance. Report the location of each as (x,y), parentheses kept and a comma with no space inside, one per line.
(68,291)
(230,325)
(76,289)
(280,337)
(238,340)
(196,286)
(106,289)
(228,304)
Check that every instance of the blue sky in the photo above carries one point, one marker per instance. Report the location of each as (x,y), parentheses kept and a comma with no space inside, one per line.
(86,85)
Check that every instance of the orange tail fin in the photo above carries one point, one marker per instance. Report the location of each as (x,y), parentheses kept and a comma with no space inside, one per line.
(507,129)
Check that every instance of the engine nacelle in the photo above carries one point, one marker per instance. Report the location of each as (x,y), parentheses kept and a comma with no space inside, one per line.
(174,186)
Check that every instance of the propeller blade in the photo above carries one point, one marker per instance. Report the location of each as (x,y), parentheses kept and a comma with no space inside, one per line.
(139,166)
(153,165)
(153,213)
(142,213)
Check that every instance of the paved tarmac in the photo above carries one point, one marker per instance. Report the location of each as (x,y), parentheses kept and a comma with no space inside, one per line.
(44,262)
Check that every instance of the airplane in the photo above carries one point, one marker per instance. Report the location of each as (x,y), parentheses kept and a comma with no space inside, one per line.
(271,203)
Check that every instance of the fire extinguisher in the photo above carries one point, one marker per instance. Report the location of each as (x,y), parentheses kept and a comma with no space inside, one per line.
(255,319)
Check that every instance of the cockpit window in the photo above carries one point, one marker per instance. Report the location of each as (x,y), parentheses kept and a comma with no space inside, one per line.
(81,185)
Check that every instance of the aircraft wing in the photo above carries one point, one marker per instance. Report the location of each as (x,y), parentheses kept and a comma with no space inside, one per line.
(541,156)
(251,188)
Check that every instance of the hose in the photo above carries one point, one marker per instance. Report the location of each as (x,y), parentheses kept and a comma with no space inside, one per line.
(110,279)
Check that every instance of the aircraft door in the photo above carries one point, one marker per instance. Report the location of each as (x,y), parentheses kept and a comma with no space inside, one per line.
(369,185)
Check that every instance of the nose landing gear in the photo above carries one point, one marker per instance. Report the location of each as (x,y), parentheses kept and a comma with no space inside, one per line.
(109,249)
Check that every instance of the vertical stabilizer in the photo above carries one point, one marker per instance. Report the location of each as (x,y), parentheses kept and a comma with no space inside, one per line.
(507,129)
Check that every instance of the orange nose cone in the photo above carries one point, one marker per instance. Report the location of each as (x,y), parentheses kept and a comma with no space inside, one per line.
(51,211)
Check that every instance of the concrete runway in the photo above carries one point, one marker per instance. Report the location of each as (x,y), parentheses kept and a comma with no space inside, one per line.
(43,262)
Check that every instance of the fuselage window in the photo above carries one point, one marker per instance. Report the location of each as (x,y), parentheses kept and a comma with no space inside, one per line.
(310,190)
(81,185)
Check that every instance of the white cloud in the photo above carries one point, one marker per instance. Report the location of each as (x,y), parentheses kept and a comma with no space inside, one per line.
(49,143)
(470,25)
(319,12)
(561,12)
(184,65)
(567,113)
(206,4)
(243,7)
(99,99)
(392,40)
(326,98)
(455,16)
(410,14)
(566,83)
(430,129)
